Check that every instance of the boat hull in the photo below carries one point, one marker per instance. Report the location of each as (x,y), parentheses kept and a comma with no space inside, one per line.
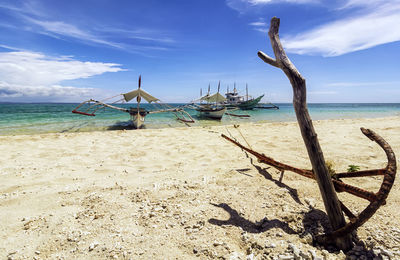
(250,104)
(138,121)
(137,117)
(213,113)
(244,105)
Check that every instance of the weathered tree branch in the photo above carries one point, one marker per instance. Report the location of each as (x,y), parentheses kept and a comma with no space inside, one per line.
(308,133)
(267,59)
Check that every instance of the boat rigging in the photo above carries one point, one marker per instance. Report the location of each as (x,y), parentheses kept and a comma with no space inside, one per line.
(138,114)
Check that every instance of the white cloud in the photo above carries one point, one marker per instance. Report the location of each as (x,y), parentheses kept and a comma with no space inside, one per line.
(34,17)
(30,74)
(54,91)
(258,23)
(363,3)
(139,34)
(373,27)
(257,2)
(260,26)
(11,48)
(244,5)
(69,30)
(36,68)
(263,30)
(365,24)
(263,2)
(100,36)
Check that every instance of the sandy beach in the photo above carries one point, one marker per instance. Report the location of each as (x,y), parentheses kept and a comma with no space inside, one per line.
(185,193)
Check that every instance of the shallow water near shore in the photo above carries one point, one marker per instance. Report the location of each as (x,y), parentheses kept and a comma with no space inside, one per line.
(34,118)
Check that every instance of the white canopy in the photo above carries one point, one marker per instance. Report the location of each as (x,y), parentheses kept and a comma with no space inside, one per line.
(214,98)
(131,95)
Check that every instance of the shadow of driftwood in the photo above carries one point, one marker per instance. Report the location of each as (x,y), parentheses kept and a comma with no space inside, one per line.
(316,222)
(236,220)
(293,192)
(263,171)
(361,249)
(243,171)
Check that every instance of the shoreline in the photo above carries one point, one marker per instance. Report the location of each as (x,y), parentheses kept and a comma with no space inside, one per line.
(45,118)
(393,117)
(184,192)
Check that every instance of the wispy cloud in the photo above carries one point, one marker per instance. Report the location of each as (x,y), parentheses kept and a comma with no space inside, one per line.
(140,34)
(60,28)
(368,28)
(264,2)
(244,5)
(362,3)
(258,2)
(11,7)
(363,24)
(258,23)
(11,48)
(30,74)
(260,26)
(136,41)
(57,28)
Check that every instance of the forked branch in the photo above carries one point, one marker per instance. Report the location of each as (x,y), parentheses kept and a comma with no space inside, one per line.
(310,139)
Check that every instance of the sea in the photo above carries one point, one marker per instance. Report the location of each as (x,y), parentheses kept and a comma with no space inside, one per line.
(35,118)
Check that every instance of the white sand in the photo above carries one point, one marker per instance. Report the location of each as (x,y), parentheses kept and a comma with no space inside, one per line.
(167,193)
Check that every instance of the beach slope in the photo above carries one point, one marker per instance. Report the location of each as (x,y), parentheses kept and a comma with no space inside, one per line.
(184,193)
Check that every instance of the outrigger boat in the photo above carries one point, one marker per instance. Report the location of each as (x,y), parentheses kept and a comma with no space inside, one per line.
(137,113)
(233,100)
(211,111)
(214,107)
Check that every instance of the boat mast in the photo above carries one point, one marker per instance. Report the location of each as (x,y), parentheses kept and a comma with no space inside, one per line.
(247,93)
(138,98)
(208,93)
(216,100)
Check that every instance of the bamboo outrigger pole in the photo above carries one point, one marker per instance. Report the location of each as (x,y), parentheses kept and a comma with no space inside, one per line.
(327,190)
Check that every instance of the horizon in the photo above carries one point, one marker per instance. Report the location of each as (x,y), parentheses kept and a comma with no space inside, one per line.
(58,52)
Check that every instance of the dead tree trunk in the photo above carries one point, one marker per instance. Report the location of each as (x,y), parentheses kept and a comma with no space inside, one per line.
(315,154)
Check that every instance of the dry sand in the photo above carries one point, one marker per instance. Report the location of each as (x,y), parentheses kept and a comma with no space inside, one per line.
(185,193)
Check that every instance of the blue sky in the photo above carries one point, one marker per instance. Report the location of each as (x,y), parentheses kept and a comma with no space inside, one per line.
(68,51)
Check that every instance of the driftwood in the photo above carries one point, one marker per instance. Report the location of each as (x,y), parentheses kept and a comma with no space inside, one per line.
(328,185)
(376,199)
(327,190)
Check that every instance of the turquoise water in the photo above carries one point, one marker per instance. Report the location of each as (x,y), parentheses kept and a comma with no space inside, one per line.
(33,118)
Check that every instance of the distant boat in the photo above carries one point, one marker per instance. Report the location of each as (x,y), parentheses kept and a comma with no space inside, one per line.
(234,100)
(137,113)
(214,107)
